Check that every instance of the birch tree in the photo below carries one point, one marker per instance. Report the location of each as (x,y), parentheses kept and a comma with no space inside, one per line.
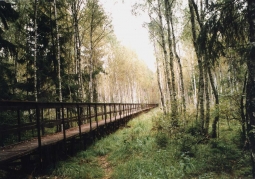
(251,79)
(35,52)
(75,9)
(177,57)
(171,63)
(98,27)
(58,54)
(194,14)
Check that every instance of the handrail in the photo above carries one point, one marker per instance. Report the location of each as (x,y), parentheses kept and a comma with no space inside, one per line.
(24,120)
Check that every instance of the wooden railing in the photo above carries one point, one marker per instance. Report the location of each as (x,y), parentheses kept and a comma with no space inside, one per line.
(26,121)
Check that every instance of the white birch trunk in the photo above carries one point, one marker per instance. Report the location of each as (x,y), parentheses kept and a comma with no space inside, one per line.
(35,53)
(58,55)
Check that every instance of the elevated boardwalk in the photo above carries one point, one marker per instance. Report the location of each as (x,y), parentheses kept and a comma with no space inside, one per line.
(29,129)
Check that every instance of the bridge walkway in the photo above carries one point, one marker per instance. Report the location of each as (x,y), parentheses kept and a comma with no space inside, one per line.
(96,116)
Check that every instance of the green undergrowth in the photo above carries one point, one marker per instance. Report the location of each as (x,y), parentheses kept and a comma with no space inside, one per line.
(146,149)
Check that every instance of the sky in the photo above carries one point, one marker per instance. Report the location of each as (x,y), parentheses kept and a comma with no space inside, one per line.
(129,29)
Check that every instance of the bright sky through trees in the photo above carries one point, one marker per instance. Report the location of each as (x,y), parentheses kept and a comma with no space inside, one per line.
(129,28)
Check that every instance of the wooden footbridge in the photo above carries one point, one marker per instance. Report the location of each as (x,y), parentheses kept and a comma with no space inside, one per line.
(41,132)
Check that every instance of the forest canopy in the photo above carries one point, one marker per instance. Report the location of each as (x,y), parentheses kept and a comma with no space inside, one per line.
(67,51)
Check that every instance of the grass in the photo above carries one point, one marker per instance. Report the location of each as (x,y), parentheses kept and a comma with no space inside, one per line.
(147,150)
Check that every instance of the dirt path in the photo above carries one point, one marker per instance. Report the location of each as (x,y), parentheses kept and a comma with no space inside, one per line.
(106,167)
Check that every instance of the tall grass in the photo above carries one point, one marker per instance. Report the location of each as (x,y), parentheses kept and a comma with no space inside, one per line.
(148,148)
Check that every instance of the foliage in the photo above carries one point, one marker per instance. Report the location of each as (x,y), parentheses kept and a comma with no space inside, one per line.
(80,167)
(85,52)
(144,151)
(132,79)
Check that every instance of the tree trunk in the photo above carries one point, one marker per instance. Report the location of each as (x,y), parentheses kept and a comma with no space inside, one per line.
(35,53)
(200,63)
(180,68)
(250,92)
(243,116)
(163,45)
(216,96)
(91,61)
(193,79)
(78,49)
(58,55)
(15,78)
(174,111)
(207,97)
(159,83)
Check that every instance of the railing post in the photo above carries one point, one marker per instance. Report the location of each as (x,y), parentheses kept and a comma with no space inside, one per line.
(124,114)
(70,115)
(114,108)
(38,125)
(79,120)
(67,117)
(56,112)
(123,111)
(89,115)
(120,110)
(114,113)
(102,108)
(96,114)
(110,105)
(126,109)
(105,113)
(63,123)
(30,120)
(42,122)
(19,123)
(129,109)
(58,119)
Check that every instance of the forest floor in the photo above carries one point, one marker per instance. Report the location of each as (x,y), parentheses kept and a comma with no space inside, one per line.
(148,148)
(106,166)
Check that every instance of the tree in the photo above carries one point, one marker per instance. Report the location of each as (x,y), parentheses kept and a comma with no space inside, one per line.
(75,9)
(194,14)
(58,54)
(126,78)
(98,27)
(158,77)
(7,14)
(179,63)
(250,93)
(35,52)
(226,20)
(171,62)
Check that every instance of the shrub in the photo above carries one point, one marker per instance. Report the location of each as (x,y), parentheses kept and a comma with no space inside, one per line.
(162,140)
